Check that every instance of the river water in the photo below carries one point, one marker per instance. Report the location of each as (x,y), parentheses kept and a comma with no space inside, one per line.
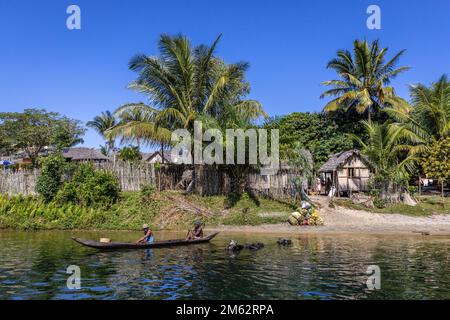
(33,266)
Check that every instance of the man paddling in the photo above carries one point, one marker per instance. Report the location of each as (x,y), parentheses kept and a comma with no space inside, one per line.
(148,235)
(197,233)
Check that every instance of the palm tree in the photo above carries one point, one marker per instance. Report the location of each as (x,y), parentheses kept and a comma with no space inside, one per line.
(390,158)
(137,124)
(364,79)
(427,120)
(102,124)
(185,83)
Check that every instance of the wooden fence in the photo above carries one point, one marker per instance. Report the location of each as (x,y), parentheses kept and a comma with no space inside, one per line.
(133,176)
(18,182)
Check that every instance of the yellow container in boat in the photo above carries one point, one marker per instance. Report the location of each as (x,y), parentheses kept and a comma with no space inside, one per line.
(105,240)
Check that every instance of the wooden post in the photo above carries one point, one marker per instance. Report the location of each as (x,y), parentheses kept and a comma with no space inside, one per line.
(420,190)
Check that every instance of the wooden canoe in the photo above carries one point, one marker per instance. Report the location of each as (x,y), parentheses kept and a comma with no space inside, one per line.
(156,244)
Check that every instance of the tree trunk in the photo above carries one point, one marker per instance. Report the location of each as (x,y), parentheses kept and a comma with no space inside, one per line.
(420,190)
(193,182)
(442,193)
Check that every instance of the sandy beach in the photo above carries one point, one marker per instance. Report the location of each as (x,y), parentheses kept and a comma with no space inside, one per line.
(344,220)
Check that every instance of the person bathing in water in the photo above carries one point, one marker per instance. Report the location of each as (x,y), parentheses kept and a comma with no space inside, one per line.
(197,232)
(148,235)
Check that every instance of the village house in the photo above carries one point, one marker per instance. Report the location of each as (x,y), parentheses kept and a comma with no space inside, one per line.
(156,157)
(82,154)
(347,171)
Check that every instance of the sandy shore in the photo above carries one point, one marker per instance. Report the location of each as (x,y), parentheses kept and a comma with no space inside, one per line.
(343,220)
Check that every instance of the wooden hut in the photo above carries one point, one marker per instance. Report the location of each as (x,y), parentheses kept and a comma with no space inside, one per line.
(347,171)
(156,157)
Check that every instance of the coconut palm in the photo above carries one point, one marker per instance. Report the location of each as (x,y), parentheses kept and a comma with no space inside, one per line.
(185,81)
(183,84)
(428,118)
(364,79)
(390,158)
(102,124)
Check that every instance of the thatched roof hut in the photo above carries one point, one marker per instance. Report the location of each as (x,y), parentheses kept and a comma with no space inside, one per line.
(338,160)
(83,154)
(348,171)
(156,157)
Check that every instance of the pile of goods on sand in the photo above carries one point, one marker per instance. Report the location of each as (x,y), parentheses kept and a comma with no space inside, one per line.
(235,246)
(306,215)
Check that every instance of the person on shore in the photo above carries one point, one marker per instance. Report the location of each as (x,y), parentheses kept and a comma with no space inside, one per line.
(148,235)
(197,232)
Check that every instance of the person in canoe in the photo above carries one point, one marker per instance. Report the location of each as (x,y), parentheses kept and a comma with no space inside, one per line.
(148,235)
(197,232)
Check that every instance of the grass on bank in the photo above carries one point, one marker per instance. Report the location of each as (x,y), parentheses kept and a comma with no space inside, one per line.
(132,210)
(427,206)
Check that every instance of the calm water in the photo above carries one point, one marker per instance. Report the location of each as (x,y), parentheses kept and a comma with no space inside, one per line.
(33,266)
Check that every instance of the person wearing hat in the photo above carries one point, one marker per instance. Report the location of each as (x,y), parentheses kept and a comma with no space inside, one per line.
(197,232)
(148,235)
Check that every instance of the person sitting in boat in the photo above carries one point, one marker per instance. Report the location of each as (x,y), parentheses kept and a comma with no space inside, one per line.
(197,232)
(148,235)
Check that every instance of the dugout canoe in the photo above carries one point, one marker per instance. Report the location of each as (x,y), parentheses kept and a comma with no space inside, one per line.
(156,244)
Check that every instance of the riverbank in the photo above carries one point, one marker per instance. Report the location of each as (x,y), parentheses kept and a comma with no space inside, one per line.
(175,211)
(340,220)
(166,210)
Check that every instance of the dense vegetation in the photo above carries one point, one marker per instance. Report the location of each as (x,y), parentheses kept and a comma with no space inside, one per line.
(317,132)
(134,208)
(184,83)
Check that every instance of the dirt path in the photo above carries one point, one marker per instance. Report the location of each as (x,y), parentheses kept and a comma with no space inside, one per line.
(343,220)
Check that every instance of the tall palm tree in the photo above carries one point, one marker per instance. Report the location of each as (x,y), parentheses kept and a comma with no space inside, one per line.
(102,123)
(428,118)
(364,79)
(185,83)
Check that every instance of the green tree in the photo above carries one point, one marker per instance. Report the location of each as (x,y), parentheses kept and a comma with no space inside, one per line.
(101,124)
(427,120)
(364,79)
(130,153)
(50,178)
(35,129)
(185,83)
(436,162)
(390,159)
(317,132)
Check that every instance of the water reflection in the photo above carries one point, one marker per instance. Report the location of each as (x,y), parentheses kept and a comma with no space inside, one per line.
(313,267)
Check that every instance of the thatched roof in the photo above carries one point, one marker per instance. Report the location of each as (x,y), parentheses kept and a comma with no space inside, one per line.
(84,154)
(339,159)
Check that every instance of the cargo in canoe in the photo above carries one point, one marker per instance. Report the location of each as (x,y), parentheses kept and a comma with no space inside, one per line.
(156,244)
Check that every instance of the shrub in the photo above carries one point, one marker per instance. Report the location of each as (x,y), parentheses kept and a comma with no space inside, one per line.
(147,192)
(50,179)
(89,187)
(379,203)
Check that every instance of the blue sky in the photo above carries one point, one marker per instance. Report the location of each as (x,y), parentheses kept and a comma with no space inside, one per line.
(80,73)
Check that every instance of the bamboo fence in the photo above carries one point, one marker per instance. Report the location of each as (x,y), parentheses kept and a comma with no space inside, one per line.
(132,176)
